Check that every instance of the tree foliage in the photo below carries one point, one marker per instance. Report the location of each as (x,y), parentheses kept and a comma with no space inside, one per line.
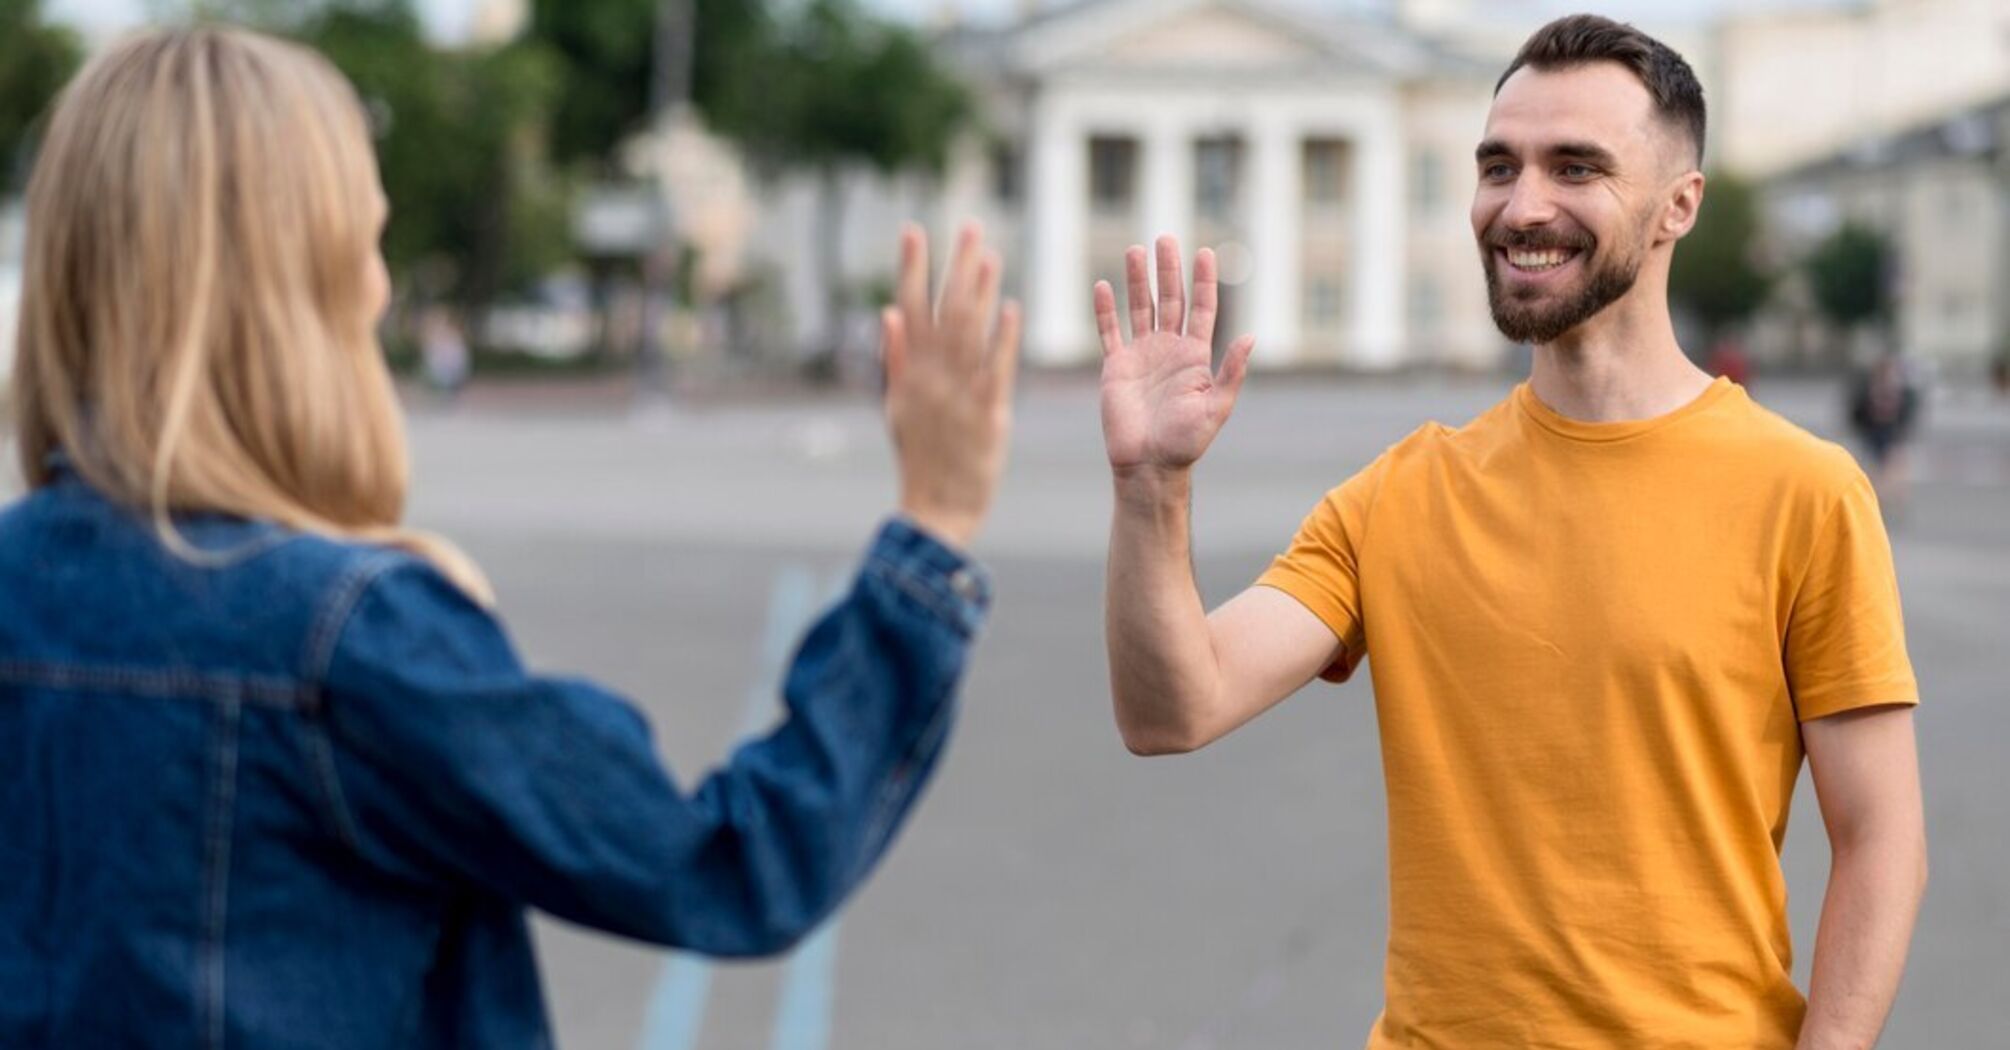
(1850,275)
(473,212)
(1715,274)
(36,59)
(606,51)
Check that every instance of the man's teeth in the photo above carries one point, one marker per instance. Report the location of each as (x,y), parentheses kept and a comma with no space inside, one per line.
(1542,260)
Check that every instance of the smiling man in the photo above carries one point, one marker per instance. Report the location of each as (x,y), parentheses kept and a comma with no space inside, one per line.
(1608,619)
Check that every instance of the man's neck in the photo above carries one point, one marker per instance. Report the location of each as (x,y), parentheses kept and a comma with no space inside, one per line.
(1623,364)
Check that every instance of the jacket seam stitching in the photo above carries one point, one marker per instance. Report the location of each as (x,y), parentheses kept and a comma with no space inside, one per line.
(216,862)
(348,591)
(904,581)
(265,691)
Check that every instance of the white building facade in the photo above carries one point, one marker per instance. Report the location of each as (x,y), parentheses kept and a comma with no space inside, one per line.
(1325,159)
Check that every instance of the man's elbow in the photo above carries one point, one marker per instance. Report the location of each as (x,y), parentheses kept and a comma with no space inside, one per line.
(1154,741)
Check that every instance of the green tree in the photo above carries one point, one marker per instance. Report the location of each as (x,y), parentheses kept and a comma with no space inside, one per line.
(36,59)
(606,51)
(844,89)
(1715,274)
(459,141)
(1849,273)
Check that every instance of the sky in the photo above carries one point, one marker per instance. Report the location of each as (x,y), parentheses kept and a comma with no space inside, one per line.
(448,16)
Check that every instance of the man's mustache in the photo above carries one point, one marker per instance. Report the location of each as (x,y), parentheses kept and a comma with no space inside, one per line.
(1537,239)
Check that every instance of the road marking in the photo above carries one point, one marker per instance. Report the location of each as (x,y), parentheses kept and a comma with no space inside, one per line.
(803,1017)
(676,1014)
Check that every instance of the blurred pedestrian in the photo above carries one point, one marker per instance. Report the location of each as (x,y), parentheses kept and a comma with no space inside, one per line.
(1728,359)
(443,352)
(1883,412)
(274,774)
(1606,619)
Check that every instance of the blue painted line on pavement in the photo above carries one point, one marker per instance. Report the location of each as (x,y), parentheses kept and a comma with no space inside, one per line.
(676,1014)
(803,1016)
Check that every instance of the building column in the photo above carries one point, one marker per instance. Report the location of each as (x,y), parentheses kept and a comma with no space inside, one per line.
(1381,254)
(1276,279)
(1167,192)
(1060,324)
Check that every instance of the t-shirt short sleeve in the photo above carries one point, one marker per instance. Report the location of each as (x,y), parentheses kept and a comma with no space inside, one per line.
(1321,568)
(1845,645)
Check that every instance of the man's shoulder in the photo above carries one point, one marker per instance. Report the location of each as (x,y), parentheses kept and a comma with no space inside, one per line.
(1776,445)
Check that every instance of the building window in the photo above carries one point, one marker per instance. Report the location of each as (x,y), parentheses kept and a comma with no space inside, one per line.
(1008,173)
(1325,305)
(1113,174)
(1427,186)
(1325,171)
(1217,177)
(1426,302)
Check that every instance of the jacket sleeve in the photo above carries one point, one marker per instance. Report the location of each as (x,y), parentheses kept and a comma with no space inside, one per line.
(446,761)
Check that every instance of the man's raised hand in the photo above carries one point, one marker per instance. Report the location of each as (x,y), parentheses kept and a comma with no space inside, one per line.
(1162,401)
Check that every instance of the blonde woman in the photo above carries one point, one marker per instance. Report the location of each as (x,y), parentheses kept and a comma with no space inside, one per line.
(270,771)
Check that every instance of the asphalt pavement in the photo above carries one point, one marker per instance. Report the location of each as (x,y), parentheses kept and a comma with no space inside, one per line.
(1053,891)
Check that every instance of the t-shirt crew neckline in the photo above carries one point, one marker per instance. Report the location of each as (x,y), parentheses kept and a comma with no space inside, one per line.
(1582,430)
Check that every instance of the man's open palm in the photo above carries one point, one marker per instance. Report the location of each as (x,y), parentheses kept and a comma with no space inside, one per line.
(1162,401)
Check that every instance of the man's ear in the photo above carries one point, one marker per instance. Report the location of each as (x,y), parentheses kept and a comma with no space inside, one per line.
(1685,200)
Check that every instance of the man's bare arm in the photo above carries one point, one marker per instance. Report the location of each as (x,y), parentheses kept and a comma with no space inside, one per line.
(1866,771)
(1180,677)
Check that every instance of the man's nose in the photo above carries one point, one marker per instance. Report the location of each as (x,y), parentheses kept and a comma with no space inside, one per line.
(1529,203)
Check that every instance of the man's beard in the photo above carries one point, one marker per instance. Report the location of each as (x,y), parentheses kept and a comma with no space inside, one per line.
(1536,321)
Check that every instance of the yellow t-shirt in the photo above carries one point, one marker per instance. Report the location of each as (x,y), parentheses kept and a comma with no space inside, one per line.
(1592,646)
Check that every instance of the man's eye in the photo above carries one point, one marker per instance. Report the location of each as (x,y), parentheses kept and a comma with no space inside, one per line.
(1496,172)
(1579,171)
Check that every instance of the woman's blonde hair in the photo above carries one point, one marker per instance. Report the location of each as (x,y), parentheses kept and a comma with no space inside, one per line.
(196,325)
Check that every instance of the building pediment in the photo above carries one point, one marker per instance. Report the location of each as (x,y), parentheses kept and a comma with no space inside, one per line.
(1139,35)
(1211,35)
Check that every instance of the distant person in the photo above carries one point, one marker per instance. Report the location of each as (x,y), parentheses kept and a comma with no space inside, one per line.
(1999,374)
(1604,619)
(443,353)
(1728,359)
(1883,412)
(271,771)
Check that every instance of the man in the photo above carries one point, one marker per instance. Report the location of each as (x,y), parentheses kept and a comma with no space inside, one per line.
(1607,617)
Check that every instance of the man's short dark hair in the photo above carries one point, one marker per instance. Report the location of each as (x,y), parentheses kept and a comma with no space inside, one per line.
(1578,40)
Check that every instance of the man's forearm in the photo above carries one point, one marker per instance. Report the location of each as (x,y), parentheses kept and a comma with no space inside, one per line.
(1866,927)
(1161,660)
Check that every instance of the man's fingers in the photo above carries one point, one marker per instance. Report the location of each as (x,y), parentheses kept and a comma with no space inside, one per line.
(1138,290)
(1172,286)
(1206,296)
(911,291)
(1107,325)
(1234,369)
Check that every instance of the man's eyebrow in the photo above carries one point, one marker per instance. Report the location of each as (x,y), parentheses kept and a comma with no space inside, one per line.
(1573,150)
(1590,151)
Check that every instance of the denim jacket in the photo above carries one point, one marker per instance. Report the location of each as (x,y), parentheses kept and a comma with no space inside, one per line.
(300,793)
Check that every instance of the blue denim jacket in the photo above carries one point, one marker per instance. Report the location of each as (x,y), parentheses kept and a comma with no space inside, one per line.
(302,797)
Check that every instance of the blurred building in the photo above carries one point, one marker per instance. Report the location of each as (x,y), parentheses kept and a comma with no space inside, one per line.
(1939,192)
(1322,149)
(1793,86)
(1322,155)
